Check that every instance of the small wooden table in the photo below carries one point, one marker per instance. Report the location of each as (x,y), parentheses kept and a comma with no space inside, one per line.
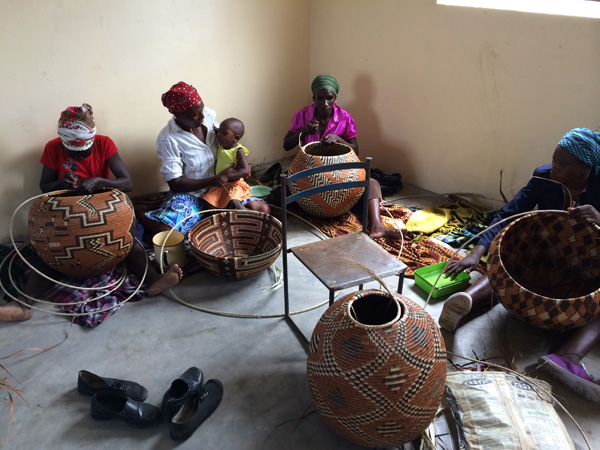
(330,260)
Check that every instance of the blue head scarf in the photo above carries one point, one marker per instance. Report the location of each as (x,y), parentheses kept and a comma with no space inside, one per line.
(584,144)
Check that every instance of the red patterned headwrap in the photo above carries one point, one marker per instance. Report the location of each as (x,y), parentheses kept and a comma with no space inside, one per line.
(180,98)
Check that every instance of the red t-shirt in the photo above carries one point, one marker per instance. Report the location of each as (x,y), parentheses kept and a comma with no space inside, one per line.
(94,165)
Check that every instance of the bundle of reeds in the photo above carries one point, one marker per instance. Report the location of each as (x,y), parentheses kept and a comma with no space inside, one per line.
(6,386)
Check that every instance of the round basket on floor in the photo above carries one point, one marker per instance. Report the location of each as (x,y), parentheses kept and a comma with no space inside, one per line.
(376,368)
(331,203)
(82,235)
(545,269)
(236,244)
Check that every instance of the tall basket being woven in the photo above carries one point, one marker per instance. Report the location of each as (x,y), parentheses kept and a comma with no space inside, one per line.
(82,235)
(332,203)
(545,269)
(376,368)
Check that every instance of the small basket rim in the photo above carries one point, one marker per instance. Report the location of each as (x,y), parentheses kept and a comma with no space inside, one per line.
(365,293)
(61,193)
(212,218)
(310,145)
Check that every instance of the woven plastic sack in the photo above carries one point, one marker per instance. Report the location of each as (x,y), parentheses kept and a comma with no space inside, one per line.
(496,410)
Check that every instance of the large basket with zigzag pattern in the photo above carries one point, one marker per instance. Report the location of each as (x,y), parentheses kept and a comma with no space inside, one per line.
(545,269)
(376,368)
(330,203)
(82,235)
(236,244)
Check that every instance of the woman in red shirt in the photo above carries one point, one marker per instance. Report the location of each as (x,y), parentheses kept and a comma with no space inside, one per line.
(81,160)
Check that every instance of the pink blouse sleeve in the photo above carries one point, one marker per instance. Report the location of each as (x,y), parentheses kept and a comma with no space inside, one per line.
(302,117)
(351,131)
(297,121)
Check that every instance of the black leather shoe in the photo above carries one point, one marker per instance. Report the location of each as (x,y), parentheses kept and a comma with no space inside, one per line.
(181,389)
(106,406)
(271,173)
(90,384)
(196,409)
(390,184)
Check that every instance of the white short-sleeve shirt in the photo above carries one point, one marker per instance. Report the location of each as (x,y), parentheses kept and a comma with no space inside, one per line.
(183,154)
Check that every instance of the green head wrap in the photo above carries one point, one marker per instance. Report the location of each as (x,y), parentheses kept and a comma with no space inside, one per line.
(325,82)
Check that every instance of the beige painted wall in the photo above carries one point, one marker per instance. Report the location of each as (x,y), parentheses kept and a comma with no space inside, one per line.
(121,55)
(449,96)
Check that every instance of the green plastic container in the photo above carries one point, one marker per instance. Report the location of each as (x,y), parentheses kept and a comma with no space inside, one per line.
(425,278)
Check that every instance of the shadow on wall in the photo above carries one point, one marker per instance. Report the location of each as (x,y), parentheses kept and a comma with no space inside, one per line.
(387,156)
(144,167)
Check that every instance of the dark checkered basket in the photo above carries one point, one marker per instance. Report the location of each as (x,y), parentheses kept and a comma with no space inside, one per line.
(236,244)
(545,269)
(376,368)
(330,203)
(82,235)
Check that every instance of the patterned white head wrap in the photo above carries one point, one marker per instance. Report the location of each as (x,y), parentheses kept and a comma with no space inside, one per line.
(76,127)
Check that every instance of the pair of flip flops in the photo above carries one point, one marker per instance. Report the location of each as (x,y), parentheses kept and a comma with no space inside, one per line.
(573,376)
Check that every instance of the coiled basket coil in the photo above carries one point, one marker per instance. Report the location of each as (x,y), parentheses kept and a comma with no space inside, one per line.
(236,244)
(545,269)
(82,235)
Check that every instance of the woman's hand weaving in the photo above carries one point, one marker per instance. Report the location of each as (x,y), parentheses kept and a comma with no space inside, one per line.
(585,214)
(467,264)
(90,185)
(311,127)
(332,138)
(70,180)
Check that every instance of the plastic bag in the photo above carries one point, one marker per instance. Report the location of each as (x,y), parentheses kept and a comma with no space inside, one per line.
(494,410)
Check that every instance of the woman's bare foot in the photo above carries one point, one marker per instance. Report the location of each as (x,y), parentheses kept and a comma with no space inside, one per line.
(387,233)
(165,281)
(15,312)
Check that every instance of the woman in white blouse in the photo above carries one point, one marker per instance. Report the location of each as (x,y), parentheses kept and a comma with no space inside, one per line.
(187,148)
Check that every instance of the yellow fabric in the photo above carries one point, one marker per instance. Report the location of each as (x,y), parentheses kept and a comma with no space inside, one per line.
(428,220)
(226,157)
(219,196)
(442,219)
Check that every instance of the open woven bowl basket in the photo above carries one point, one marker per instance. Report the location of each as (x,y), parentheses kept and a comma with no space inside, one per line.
(236,244)
(331,203)
(82,235)
(545,269)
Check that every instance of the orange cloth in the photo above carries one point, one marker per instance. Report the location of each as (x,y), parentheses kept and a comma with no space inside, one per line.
(219,196)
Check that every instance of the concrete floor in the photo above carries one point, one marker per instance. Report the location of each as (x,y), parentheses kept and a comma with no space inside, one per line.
(260,362)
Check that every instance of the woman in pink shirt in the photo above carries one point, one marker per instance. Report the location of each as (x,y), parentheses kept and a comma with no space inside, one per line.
(326,122)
